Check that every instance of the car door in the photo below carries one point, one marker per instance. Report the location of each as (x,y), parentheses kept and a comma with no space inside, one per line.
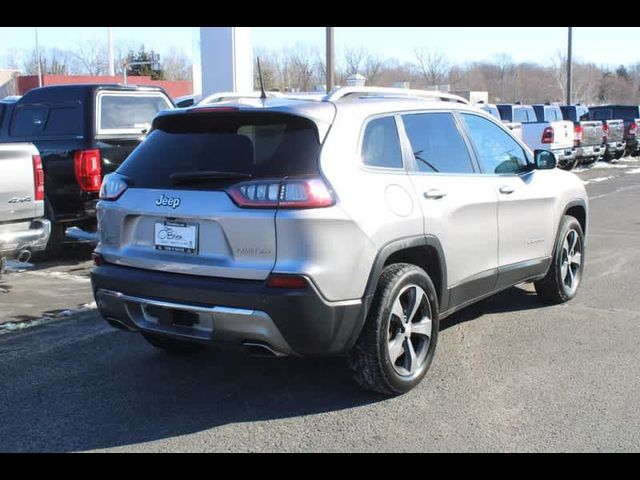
(459,205)
(526,222)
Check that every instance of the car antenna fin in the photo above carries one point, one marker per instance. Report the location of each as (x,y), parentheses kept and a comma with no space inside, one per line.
(263,95)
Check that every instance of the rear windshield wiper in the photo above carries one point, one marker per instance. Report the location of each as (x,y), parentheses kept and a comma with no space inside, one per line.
(206,176)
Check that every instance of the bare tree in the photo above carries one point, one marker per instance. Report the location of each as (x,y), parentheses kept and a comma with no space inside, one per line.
(432,65)
(92,57)
(301,66)
(373,68)
(559,71)
(53,61)
(505,66)
(11,59)
(354,58)
(269,69)
(176,65)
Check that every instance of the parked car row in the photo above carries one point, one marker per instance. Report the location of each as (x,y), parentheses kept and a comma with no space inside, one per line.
(576,134)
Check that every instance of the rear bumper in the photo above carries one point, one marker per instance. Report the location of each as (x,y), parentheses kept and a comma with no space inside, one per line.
(588,151)
(31,235)
(615,147)
(290,322)
(565,154)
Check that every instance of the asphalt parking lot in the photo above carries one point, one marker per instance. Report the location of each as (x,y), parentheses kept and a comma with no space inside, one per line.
(510,374)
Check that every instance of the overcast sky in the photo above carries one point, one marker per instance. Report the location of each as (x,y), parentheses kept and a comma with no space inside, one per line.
(602,45)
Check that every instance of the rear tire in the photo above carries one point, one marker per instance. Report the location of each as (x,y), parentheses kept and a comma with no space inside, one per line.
(398,341)
(170,345)
(565,274)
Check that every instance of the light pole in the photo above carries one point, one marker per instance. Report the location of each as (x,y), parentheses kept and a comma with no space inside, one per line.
(330,59)
(569,52)
(112,69)
(38,66)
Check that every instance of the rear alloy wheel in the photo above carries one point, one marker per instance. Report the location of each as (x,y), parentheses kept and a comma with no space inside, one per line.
(397,343)
(563,279)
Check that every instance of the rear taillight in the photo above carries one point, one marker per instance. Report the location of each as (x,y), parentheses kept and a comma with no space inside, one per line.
(577,135)
(633,128)
(38,178)
(298,193)
(547,135)
(88,168)
(605,132)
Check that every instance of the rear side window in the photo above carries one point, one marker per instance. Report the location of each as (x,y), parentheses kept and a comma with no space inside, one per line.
(231,145)
(128,113)
(64,121)
(493,111)
(437,143)
(28,121)
(381,144)
(552,114)
(520,115)
(505,112)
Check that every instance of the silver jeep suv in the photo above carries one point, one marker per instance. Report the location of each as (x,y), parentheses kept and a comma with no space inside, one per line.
(349,225)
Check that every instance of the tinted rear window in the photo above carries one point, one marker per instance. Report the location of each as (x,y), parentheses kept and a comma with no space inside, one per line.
(64,121)
(263,145)
(505,112)
(42,120)
(626,113)
(602,114)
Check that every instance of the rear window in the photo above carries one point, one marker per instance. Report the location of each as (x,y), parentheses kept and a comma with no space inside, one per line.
(505,112)
(602,114)
(626,113)
(493,111)
(128,113)
(262,145)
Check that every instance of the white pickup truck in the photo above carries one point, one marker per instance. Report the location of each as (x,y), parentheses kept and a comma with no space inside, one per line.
(22,228)
(544,129)
(515,127)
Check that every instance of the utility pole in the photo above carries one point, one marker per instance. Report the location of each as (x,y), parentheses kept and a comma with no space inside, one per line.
(330,59)
(38,65)
(112,69)
(569,66)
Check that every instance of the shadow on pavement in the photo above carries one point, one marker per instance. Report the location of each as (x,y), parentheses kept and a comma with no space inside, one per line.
(514,299)
(111,389)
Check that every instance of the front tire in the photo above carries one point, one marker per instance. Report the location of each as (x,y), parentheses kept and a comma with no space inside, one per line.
(565,274)
(398,341)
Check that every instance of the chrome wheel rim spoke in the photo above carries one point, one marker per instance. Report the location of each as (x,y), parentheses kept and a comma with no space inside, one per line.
(571,261)
(409,331)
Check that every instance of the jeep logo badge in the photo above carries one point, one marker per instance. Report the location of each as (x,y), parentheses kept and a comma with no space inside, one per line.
(166,201)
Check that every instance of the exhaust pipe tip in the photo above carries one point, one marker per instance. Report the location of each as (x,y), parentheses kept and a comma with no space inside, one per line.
(258,349)
(24,256)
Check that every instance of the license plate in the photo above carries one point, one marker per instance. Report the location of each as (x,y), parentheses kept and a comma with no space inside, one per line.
(176,237)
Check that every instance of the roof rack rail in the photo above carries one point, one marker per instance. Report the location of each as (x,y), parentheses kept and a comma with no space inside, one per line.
(343,92)
(224,96)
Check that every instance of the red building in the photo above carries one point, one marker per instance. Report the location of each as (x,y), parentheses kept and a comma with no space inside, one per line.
(173,88)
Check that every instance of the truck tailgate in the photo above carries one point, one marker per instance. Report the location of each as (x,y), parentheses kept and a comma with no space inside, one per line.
(563,134)
(616,130)
(16,181)
(591,133)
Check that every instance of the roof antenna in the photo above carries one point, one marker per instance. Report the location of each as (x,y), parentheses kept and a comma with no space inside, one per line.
(263,95)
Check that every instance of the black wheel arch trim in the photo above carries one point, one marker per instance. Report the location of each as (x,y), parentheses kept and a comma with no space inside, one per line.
(426,241)
(579,202)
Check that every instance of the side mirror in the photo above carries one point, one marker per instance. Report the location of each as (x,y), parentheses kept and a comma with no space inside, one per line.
(545,160)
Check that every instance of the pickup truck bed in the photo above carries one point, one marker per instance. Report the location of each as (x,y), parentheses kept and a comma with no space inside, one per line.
(22,230)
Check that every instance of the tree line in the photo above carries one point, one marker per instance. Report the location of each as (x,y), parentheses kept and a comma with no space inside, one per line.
(302,68)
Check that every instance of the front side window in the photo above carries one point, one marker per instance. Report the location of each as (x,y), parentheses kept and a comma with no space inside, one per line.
(381,144)
(126,113)
(437,144)
(498,152)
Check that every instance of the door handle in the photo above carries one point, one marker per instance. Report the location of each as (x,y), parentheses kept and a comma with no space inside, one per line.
(506,189)
(434,193)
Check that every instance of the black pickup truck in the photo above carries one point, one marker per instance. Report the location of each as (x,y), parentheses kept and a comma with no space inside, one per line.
(83,132)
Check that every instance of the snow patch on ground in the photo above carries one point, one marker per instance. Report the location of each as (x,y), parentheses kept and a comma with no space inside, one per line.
(62,276)
(634,170)
(598,180)
(13,326)
(15,266)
